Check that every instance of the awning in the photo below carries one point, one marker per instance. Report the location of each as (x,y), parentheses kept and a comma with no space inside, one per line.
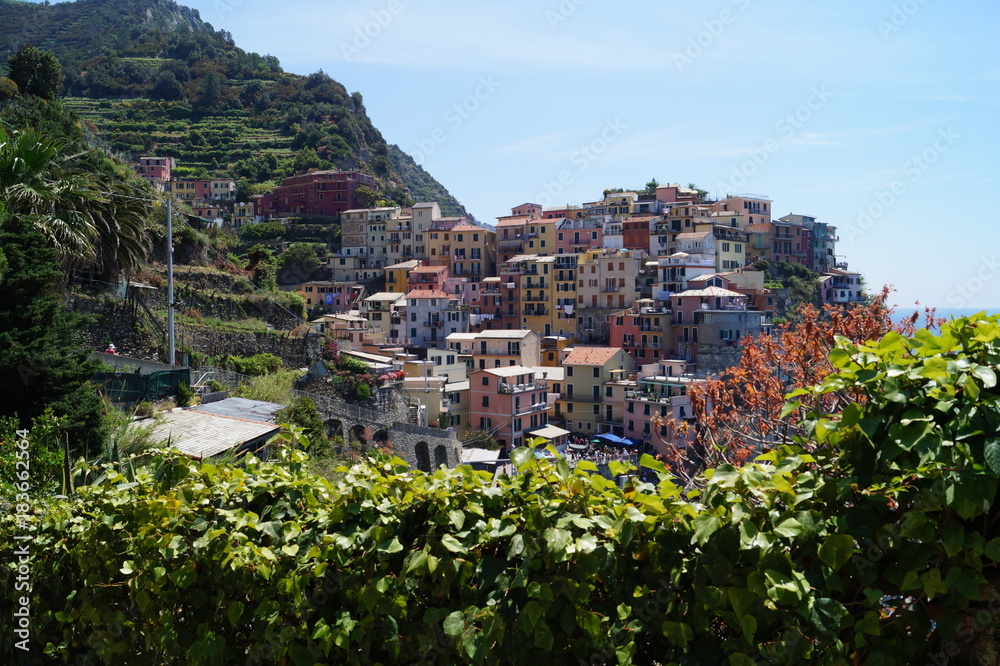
(579,447)
(610,437)
(547,432)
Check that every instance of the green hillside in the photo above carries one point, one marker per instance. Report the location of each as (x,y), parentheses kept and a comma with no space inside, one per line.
(153,78)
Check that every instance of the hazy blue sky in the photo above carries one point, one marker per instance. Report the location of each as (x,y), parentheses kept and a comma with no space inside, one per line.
(878,116)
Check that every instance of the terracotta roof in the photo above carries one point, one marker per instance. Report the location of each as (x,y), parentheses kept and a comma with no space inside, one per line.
(430,293)
(590,355)
(693,235)
(429,269)
(465,226)
(710,291)
(513,221)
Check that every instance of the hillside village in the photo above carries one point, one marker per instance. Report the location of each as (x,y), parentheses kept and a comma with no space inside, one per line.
(556,324)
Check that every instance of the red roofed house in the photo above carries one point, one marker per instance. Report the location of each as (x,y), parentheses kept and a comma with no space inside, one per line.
(587,371)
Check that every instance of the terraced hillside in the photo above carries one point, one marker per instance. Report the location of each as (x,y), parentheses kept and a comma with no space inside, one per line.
(153,77)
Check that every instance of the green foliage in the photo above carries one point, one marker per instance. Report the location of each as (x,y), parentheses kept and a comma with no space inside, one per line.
(185,396)
(363,392)
(275,387)
(255,366)
(8,89)
(871,541)
(262,231)
(42,362)
(43,462)
(302,412)
(36,72)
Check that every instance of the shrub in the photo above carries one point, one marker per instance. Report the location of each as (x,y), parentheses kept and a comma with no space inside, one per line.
(257,365)
(363,392)
(145,409)
(184,395)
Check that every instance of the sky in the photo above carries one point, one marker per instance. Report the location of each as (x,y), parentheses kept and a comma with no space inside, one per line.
(877,116)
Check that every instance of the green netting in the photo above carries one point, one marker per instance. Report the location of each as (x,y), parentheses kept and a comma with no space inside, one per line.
(133,387)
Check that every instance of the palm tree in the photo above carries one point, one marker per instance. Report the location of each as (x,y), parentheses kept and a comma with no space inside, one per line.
(88,210)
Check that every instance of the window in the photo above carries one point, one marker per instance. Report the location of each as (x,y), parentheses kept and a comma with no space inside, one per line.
(597,372)
(569,371)
(607,391)
(486,381)
(486,401)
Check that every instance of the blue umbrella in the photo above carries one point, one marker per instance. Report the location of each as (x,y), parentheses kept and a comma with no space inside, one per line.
(611,437)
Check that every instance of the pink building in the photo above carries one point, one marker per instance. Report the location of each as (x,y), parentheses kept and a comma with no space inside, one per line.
(428,277)
(509,402)
(659,406)
(574,236)
(531,209)
(156,169)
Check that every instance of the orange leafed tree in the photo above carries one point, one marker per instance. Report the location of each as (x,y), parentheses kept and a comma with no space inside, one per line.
(739,413)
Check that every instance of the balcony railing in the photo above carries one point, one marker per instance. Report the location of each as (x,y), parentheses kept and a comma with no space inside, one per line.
(610,289)
(509,389)
(541,312)
(646,396)
(531,409)
(496,352)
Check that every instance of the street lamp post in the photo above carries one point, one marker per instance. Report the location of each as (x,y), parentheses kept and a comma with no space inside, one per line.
(170,283)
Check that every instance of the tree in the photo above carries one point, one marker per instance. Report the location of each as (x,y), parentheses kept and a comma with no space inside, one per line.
(168,87)
(42,363)
(36,72)
(741,412)
(211,91)
(8,89)
(297,263)
(261,263)
(651,187)
(91,209)
(369,198)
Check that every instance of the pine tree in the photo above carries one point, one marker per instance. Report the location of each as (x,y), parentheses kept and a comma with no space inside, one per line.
(42,362)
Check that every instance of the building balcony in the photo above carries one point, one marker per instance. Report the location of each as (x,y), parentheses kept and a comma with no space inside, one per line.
(514,389)
(538,312)
(535,299)
(610,289)
(532,409)
(496,352)
(648,396)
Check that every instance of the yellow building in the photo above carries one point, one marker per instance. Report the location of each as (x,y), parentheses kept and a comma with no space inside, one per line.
(396,276)
(540,237)
(467,250)
(588,371)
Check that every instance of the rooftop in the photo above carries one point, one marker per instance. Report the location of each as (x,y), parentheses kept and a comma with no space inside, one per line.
(215,428)
(413,263)
(590,355)
(510,371)
(429,293)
